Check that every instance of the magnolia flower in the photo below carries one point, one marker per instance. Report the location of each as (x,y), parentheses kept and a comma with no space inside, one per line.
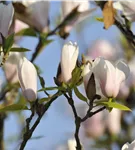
(6,18)
(110,76)
(10,66)
(83,11)
(114,121)
(87,72)
(28,79)
(127,8)
(36,14)
(128,146)
(102,48)
(69,57)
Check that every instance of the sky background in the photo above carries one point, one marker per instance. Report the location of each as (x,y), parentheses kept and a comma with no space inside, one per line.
(57,125)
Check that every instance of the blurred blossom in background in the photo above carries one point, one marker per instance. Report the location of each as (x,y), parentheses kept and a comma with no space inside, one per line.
(56,130)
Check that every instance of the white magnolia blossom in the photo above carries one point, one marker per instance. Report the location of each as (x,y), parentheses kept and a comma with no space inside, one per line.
(6,18)
(68,6)
(69,57)
(10,66)
(36,14)
(127,8)
(28,79)
(128,146)
(110,76)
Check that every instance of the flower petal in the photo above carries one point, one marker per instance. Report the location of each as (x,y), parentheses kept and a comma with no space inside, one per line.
(104,71)
(28,79)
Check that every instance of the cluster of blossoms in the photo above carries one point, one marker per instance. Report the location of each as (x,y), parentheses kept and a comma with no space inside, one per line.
(108,76)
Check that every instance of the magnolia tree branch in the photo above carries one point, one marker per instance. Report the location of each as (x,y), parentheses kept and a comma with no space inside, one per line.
(41,110)
(79,120)
(125,30)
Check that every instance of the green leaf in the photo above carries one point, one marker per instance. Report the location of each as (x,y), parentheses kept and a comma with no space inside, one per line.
(115,105)
(50,89)
(76,74)
(79,95)
(26,32)
(100,19)
(45,99)
(14,107)
(8,42)
(17,49)
(36,137)
(42,81)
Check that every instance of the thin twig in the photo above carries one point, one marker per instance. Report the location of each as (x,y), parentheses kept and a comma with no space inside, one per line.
(77,122)
(30,131)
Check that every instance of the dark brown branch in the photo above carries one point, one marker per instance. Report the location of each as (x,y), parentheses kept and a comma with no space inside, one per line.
(29,131)
(77,122)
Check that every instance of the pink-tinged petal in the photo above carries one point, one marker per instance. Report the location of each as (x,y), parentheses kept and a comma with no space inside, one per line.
(28,79)
(69,57)
(10,71)
(39,14)
(122,72)
(87,72)
(6,18)
(102,48)
(105,72)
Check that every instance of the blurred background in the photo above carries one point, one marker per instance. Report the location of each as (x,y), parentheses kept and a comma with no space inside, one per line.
(56,129)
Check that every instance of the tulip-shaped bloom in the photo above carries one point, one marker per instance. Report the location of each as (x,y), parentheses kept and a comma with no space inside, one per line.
(6,17)
(28,79)
(128,146)
(36,14)
(69,57)
(127,8)
(109,76)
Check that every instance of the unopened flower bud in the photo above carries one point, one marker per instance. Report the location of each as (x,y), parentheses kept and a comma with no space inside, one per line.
(69,57)
(28,79)
(6,17)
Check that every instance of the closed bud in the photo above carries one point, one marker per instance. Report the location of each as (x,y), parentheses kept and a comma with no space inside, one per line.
(89,80)
(6,18)
(69,57)
(28,79)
